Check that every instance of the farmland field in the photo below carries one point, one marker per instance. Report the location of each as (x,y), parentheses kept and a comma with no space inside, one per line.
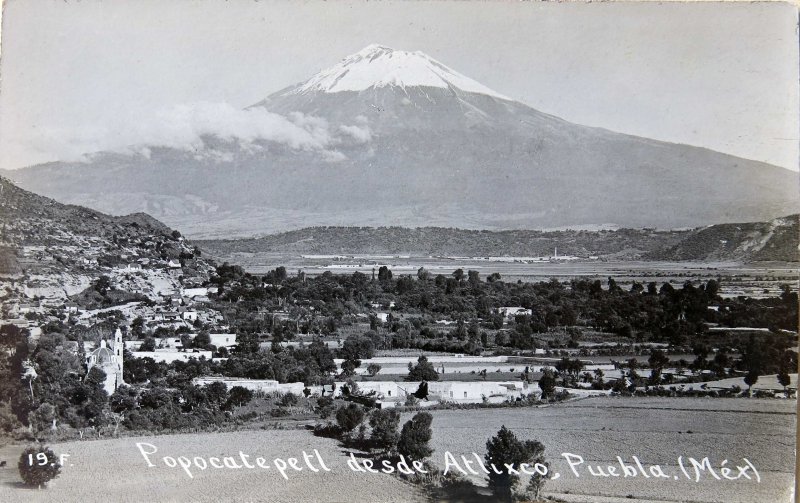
(115,470)
(657,431)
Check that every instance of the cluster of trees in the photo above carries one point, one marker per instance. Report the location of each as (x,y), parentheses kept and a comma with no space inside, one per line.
(354,349)
(48,386)
(384,436)
(768,355)
(157,408)
(200,341)
(642,312)
(312,364)
(378,431)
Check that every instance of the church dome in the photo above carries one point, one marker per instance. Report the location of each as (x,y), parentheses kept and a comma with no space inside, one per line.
(102,355)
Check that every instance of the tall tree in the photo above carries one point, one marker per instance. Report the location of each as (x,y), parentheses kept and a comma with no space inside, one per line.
(504,450)
(422,371)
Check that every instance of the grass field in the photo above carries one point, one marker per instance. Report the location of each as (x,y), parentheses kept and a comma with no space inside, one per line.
(114,470)
(656,430)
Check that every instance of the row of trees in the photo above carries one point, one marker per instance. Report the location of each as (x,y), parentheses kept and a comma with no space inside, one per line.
(411,442)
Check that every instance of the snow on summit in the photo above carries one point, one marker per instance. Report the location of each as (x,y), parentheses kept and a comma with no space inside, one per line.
(380,66)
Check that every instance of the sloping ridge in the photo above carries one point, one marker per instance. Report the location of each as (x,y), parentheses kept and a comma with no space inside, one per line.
(777,240)
(18,203)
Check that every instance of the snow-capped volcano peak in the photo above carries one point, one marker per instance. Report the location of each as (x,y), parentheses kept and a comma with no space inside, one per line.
(380,66)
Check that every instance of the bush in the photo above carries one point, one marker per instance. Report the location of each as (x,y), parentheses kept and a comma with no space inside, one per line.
(278,412)
(349,417)
(38,465)
(41,419)
(415,436)
(547,383)
(247,416)
(384,423)
(324,406)
(288,400)
(411,401)
(328,430)
(8,421)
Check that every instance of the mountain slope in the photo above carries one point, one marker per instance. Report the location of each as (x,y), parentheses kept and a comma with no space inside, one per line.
(776,240)
(52,249)
(411,142)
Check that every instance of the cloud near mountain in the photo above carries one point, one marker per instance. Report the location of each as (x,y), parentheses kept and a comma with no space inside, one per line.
(183,127)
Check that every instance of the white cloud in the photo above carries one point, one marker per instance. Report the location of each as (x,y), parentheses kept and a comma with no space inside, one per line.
(333,156)
(360,134)
(183,127)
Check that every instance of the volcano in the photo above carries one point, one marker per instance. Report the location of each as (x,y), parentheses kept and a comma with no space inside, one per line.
(401,139)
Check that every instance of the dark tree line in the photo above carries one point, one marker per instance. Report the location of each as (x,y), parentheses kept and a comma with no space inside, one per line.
(642,312)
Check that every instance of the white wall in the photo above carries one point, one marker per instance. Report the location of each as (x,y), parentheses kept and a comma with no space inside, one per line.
(171,356)
(223,340)
(266,385)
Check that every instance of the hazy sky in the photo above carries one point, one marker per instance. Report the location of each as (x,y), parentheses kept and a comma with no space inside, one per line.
(92,75)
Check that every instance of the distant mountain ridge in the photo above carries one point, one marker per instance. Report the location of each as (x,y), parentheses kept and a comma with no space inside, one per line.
(397,138)
(776,240)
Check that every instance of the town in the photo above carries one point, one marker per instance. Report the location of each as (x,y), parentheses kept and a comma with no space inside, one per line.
(146,329)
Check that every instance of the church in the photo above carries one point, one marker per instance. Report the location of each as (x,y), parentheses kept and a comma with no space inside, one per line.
(109,360)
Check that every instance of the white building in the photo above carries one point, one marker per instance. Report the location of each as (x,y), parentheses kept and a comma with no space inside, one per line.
(265,385)
(28,307)
(194,292)
(171,355)
(109,360)
(390,393)
(510,312)
(223,340)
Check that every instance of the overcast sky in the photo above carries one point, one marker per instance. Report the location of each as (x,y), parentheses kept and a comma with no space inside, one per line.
(92,75)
